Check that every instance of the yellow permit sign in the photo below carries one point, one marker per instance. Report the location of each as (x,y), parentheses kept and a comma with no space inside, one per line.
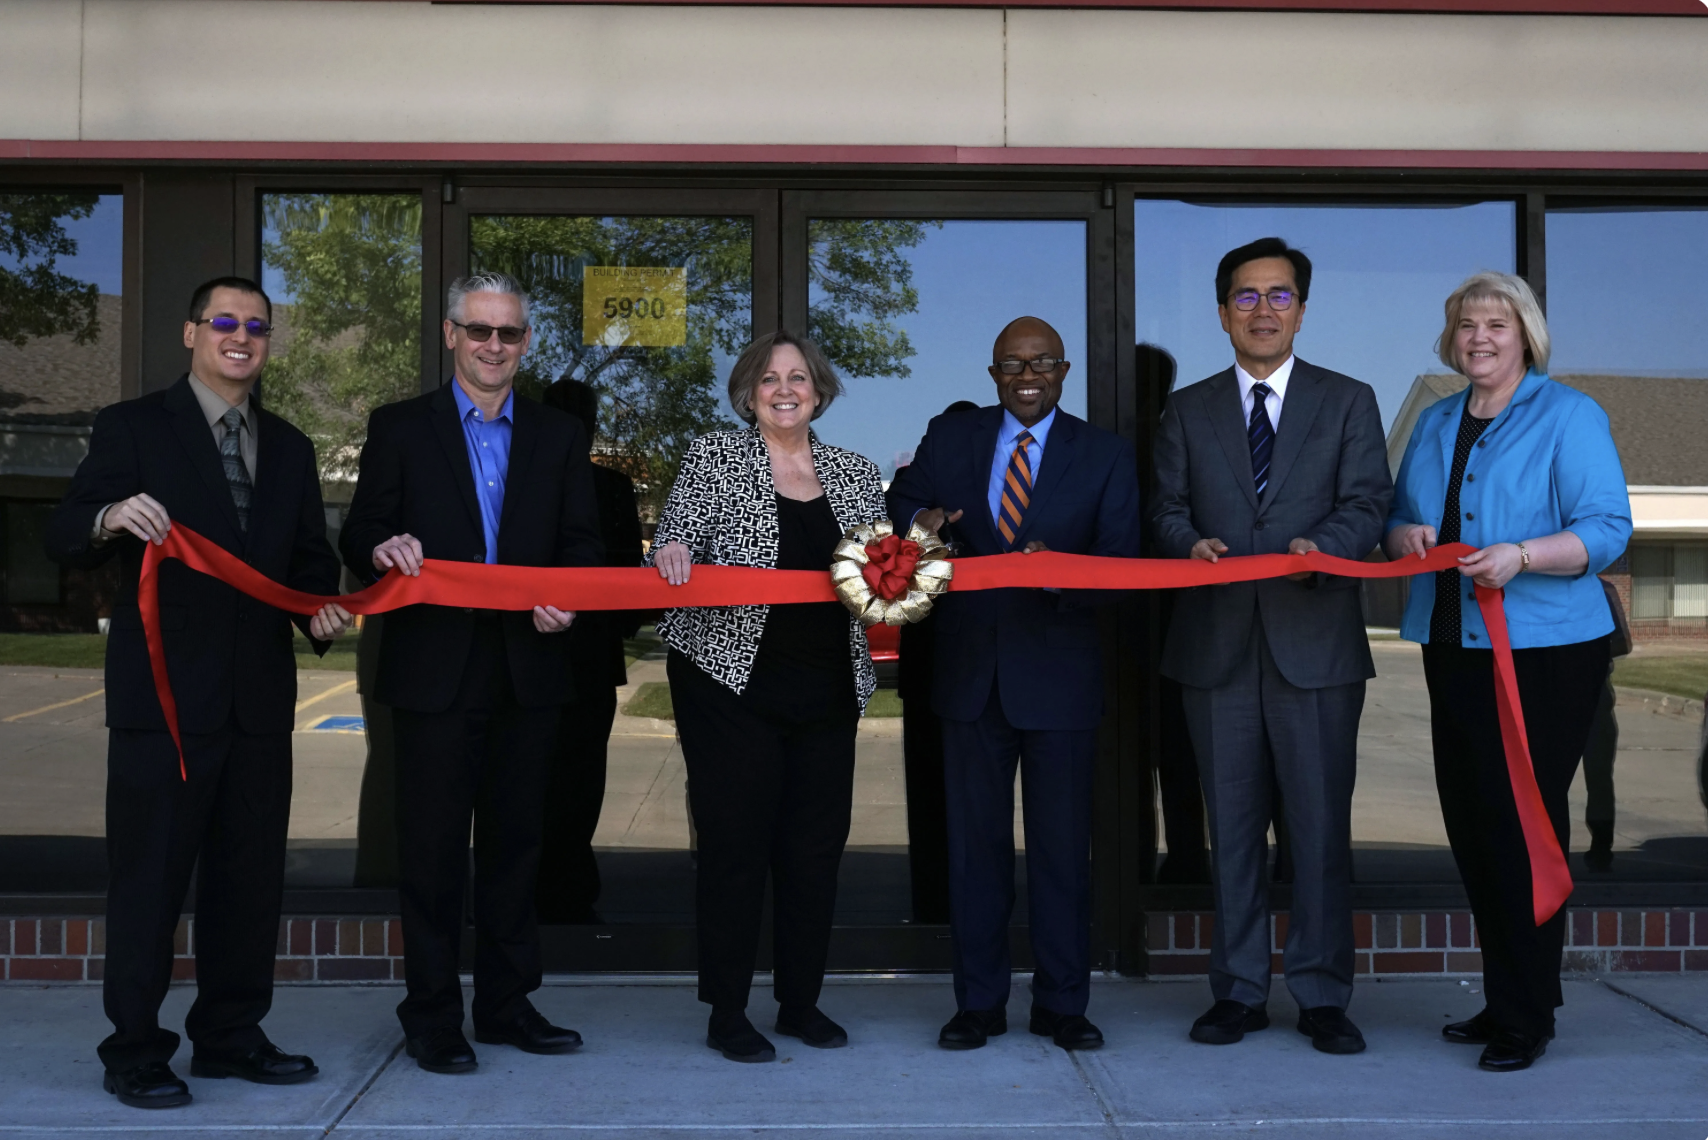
(634,305)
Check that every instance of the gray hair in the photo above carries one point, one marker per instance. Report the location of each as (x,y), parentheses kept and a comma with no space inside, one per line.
(1501,289)
(485,282)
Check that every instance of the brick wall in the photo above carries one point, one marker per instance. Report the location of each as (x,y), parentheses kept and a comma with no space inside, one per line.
(1432,942)
(309,950)
(1445,942)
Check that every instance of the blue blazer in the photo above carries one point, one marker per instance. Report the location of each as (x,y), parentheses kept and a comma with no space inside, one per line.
(1042,648)
(1546,464)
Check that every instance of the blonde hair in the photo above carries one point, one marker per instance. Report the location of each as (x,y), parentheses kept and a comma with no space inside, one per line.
(1502,288)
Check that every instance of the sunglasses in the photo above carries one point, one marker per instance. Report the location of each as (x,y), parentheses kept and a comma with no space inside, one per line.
(225,326)
(480,334)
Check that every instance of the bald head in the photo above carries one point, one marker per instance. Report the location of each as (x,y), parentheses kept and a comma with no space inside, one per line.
(1028,326)
(1029,394)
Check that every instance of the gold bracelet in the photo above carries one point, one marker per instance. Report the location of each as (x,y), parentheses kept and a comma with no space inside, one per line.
(1524,553)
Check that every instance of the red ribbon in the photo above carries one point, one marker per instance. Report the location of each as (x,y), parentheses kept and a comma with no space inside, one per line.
(604,588)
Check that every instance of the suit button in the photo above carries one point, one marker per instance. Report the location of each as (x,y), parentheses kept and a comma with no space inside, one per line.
(468,609)
(1470,517)
(1471,597)
(1470,478)
(1261,524)
(1472,635)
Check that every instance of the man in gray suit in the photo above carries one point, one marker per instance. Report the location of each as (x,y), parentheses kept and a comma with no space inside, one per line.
(1273,455)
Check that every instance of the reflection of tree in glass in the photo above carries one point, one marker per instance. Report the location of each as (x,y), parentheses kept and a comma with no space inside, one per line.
(36,300)
(352,262)
(860,279)
(655,400)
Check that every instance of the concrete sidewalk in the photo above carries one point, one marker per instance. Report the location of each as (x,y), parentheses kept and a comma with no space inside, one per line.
(1631,1062)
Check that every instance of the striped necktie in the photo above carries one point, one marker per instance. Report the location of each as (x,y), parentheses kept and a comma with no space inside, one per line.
(236,474)
(1260,433)
(1016,490)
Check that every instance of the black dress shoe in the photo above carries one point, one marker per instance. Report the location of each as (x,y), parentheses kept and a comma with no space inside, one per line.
(153,1085)
(734,1036)
(1228,1022)
(1330,1030)
(268,1065)
(531,1033)
(811,1026)
(1510,1050)
(1599,857)
(443,1050)
(1479,1030)
(971,1028)
(1067,1030)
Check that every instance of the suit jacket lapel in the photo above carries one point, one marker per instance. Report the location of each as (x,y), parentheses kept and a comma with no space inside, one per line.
(191,428)
(990,424)
(1222,402)
(1060,450)
(450,434)
(266,505)
(524,432)
(1298,411)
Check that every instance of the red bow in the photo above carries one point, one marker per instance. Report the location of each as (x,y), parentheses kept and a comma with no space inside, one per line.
(890,566)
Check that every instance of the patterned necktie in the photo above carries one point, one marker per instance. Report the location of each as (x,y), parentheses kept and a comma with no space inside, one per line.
(1260,433)
(1016,490)
(236,474)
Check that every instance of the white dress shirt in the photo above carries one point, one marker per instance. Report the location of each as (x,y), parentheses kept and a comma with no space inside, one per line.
(1277,382)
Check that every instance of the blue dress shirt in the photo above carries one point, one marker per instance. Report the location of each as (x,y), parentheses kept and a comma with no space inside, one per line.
(1005,437)
(1546,464)
(488,442)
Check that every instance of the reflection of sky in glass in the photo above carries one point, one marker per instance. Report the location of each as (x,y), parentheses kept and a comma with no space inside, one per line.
(1379,277)
(100,247)
(973,278)
(1622,291)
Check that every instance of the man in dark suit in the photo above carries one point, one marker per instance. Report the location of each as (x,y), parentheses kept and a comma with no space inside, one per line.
(569,873)
(473,472)
(205,454)
(1273,455)
(1019,677)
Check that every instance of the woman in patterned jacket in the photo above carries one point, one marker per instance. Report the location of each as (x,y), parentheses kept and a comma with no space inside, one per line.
(768,698)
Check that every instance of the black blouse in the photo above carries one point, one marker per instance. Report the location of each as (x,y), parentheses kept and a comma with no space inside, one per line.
(803,659)
(1452,587)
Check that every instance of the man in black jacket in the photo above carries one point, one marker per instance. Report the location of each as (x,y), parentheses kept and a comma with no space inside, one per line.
(473,473)
(202,453)
(569,873)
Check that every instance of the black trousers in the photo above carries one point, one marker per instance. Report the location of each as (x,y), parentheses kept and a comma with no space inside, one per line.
(569,874)
(231,814)
(979,759)
(927,810)
(485,757)
(1598,757)
(1557,688)
(772,792)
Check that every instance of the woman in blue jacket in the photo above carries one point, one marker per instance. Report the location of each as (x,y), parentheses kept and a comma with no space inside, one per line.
(1524,469)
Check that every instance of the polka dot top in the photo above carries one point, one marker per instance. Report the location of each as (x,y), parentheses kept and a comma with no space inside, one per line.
(1451,587)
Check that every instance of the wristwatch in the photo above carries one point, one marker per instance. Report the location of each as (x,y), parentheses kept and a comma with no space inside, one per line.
(1524,553)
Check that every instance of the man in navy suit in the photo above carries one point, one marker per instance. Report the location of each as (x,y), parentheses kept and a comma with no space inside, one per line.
(1019,677)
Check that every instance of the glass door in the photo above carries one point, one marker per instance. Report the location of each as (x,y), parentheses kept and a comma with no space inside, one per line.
(906,292)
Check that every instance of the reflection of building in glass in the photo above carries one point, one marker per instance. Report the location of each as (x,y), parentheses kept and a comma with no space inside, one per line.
(60,334)
(1657,421)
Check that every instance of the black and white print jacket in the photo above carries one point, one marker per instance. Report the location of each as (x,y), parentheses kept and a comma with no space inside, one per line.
(723,508)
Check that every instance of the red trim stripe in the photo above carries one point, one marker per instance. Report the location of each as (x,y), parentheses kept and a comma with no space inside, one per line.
(1461,7)
(735,154)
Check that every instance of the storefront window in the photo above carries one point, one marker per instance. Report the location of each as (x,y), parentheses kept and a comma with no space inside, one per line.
(344,274)
(61,318)
(908,311)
